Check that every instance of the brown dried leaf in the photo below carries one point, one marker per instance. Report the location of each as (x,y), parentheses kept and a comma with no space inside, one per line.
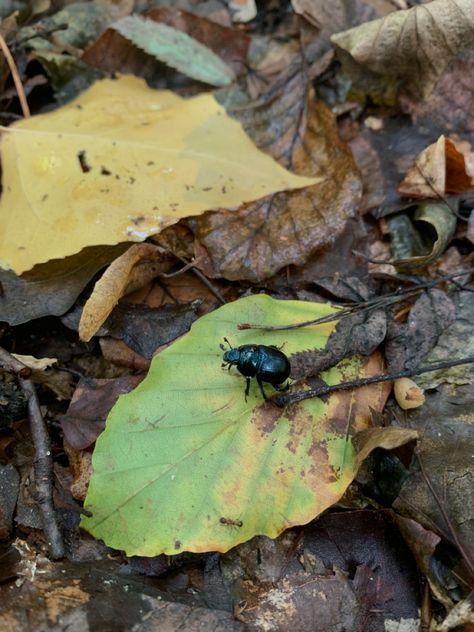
(450,104)
(112,286)
(51,288)
(261,237)
(339,15)
(89,407)
(439,484)
(444,167)
(416,44)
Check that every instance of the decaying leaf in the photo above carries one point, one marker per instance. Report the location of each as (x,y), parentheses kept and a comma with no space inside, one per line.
(415,44)
(444,167)
(177,49)
(113,284)
(121,162)
(51,288)
(38,364)
(210,469)
(409,343)
(285,228)
(440,482)
(85,418)
(457,341)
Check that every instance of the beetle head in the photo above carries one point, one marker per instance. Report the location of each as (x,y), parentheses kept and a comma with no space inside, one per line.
(231,356)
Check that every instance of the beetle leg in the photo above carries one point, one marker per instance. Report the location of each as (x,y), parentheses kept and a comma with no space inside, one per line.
(247,388)
(261,389)
(279,387)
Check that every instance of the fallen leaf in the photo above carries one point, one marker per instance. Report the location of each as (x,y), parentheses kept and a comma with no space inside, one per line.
(449,105)
(85,418)
(118,353)
(113,283)
(340,14)
(189,459)
(442,485)
(112,52)
(409,343)
(360,333)
(414,45)
(176,49)
(457,341)
(121,162)
(285,228)
(348,570)
(144,329)
(39,364)
(444,167)
(51,288)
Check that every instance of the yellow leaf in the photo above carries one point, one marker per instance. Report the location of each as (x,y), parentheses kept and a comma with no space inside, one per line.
(121,162)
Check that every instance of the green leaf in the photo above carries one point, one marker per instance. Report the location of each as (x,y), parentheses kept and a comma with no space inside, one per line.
(185,464)
(176,49)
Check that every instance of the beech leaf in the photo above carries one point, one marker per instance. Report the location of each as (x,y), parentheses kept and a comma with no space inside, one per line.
(207,469)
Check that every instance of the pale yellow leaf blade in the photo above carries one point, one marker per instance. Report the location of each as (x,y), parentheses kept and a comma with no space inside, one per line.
(121,162)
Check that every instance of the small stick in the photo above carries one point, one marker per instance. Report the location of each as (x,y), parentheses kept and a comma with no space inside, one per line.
(380,301)
(292,398)
(43,460)
(16,77)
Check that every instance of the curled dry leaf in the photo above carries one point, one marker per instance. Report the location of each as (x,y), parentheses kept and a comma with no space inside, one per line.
(408,394)
(285,228)
(112,286)
(415,44)
(444,167)
(417,244)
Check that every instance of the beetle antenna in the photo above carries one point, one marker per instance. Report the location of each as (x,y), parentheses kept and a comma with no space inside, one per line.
(225,340)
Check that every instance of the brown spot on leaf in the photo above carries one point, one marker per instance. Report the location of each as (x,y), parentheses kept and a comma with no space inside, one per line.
(266,416)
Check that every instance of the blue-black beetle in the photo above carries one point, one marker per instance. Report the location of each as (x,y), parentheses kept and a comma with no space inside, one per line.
(267,364)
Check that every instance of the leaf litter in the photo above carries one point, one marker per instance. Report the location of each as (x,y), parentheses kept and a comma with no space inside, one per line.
(372,235)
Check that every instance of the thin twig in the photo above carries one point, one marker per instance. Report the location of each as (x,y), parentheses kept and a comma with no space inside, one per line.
(292,398)
(16,77)
(43,460)
(375,303)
